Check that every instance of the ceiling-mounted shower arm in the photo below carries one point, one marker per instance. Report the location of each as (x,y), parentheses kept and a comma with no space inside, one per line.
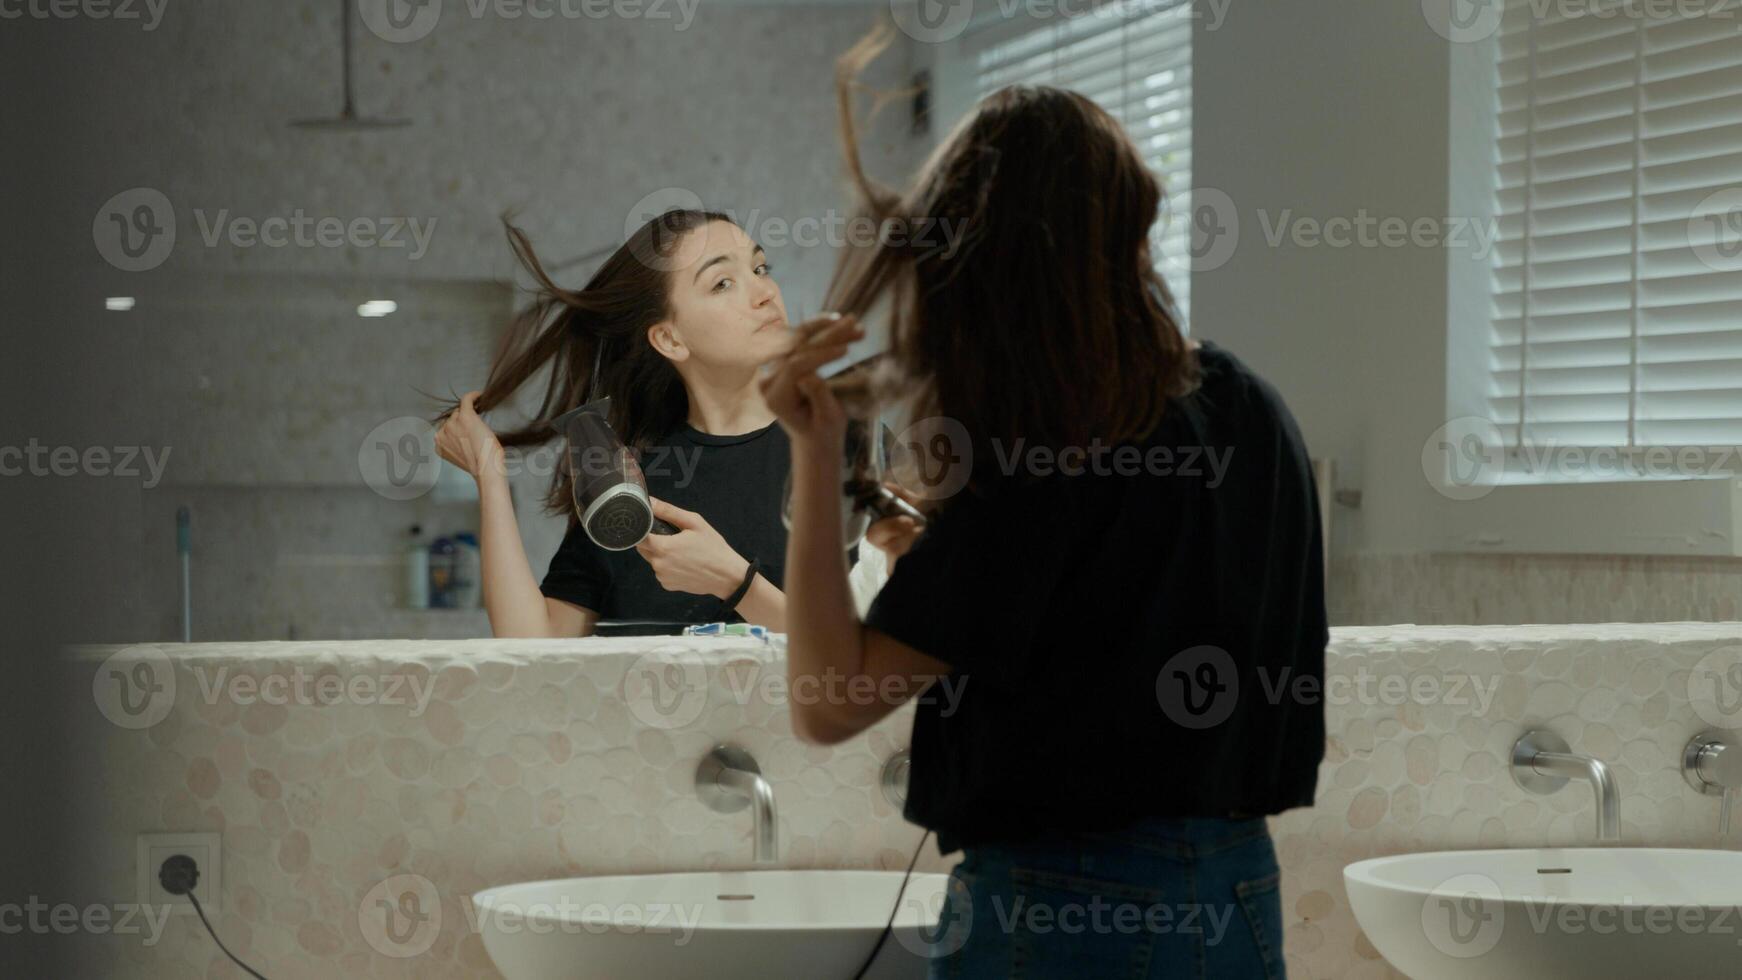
(348,120)
(349,111)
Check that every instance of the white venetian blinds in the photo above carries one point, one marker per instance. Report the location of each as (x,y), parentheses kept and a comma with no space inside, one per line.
(1618,274)
(1134,59)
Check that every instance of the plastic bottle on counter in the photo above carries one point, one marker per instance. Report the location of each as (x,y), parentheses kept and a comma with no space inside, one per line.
(441,573)
(468,571)
(416,570)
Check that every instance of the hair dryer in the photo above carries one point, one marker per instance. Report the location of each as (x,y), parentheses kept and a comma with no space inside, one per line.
(609,489)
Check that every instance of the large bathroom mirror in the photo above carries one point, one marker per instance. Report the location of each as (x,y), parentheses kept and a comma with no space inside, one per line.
(1499,294)
(1428,610)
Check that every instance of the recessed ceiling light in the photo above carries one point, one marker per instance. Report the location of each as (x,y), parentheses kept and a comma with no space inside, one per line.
(377,307)
(119,303)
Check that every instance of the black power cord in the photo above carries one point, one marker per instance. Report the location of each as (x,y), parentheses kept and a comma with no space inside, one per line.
(890,925)
(178,876)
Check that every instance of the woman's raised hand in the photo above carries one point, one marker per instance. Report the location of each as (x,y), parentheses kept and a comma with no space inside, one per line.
(465,441)
(798,397)
(895,535)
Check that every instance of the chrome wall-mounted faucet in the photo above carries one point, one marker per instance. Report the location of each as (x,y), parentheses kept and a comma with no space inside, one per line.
(1712,764)
(728,780)
(894,778)
(1542,763)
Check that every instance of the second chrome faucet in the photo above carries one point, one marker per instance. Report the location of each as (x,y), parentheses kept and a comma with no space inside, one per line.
(1542,762)
(1712,764)
(728,780)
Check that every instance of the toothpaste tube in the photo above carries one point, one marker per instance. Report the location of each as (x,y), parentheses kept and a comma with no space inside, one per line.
(727,629)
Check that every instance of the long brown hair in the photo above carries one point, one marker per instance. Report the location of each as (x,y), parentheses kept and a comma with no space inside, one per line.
(1046,321)
(604,323)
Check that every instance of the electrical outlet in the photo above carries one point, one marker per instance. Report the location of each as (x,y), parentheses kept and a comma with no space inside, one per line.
(153,849)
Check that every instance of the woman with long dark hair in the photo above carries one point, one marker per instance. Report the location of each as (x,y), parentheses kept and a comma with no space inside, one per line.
(672,327)
(1116,626)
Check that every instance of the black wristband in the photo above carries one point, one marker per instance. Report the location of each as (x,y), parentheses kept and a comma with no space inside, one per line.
(744,587)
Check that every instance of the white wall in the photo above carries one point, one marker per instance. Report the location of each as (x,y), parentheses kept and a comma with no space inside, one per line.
(1328,109)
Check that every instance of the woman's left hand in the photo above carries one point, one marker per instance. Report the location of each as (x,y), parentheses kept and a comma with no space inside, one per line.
(895,535)
(798,397)
(696,559)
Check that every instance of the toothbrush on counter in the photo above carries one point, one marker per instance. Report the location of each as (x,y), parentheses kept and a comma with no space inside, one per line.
(184,546)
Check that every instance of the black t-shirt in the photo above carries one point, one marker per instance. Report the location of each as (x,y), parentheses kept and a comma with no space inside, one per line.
(1145,638)
(734,482)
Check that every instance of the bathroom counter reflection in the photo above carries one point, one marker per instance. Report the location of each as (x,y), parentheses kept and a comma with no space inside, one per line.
(337,772)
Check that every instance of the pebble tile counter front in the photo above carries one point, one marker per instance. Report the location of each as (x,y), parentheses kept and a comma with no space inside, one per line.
(336,772)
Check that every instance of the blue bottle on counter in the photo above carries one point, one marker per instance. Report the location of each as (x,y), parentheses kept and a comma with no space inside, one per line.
(442,560)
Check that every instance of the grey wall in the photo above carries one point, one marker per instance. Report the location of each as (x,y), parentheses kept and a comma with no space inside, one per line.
(261,395)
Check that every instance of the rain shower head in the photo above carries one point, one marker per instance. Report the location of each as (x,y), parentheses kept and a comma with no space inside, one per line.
(347,119)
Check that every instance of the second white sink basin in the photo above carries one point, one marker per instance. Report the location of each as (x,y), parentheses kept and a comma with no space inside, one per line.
(1538,914)
(716,924)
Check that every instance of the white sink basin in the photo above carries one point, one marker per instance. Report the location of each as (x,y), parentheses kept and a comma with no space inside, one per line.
(717,924)
(1537,914)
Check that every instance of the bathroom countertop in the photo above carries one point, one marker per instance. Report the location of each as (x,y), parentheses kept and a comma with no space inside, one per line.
(1343,637)
(1345,640)
(483,649)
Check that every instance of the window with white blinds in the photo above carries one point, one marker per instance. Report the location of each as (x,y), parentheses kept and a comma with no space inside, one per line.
(1617,316)
(1134,59)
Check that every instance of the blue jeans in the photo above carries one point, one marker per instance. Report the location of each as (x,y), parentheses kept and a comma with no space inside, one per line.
(1162,899)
